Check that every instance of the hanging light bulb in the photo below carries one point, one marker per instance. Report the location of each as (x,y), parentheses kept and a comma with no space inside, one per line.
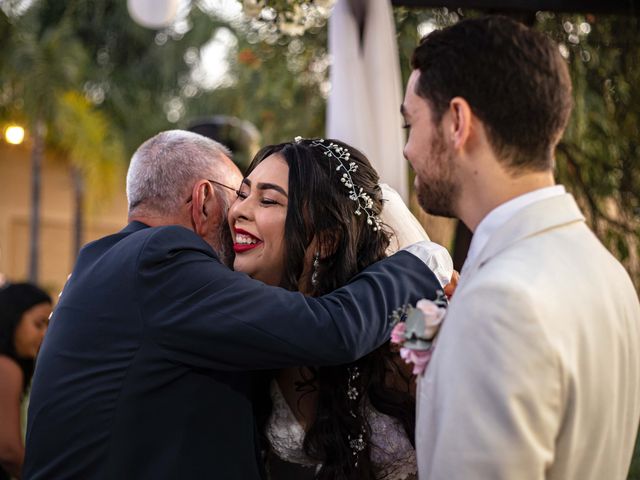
(14,134)
(153,14)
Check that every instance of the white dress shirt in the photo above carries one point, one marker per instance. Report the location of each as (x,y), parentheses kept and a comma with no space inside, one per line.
(501,215)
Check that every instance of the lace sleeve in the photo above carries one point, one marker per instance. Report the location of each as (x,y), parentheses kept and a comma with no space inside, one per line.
(392,454)
(284,433)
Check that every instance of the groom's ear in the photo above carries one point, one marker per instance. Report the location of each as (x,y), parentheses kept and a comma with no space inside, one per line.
(460,123)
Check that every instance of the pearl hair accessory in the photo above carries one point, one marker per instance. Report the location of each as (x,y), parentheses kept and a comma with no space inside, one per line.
(357,194)
(357,443)
(316,264)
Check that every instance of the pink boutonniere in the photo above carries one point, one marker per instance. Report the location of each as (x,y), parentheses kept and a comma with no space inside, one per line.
(416,328)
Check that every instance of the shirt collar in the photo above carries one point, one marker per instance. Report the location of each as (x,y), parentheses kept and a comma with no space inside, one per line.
(134,226)
(502,214)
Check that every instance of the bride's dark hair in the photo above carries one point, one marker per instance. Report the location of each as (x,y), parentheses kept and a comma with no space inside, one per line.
(319,206)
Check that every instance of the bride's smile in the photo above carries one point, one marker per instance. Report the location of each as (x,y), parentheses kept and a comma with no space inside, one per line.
(257,219)
(244,241)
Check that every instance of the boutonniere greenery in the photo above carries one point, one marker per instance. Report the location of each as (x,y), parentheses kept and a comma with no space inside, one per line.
(415,330)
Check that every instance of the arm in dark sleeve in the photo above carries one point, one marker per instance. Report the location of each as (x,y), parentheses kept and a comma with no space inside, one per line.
(210,316)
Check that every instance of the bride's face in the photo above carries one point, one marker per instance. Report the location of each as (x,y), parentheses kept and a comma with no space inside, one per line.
(257,220)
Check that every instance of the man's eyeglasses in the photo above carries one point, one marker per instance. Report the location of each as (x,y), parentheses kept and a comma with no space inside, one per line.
(234,190)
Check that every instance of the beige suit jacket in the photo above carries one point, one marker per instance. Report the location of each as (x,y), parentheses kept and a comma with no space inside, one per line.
(536,371)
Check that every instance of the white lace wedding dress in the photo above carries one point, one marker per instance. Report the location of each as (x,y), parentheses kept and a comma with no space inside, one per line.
(392,455)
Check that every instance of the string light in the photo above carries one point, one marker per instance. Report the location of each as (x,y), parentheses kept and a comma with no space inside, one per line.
(14,134)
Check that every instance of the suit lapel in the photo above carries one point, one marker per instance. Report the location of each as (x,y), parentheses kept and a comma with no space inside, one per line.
(536,218)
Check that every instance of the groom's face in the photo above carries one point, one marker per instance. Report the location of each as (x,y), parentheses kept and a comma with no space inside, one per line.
(429,154)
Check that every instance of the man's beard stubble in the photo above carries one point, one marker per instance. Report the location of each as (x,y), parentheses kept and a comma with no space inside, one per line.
(223,239)
(438,194)
(436,198)
(225,243)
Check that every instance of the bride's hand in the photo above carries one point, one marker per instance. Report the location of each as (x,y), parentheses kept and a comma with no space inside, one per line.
(450,288)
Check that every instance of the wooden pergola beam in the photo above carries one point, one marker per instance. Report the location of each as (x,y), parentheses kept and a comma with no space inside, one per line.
(591,6)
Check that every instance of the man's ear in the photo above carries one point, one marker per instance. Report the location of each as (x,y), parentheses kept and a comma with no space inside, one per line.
(460,118)
(204,206)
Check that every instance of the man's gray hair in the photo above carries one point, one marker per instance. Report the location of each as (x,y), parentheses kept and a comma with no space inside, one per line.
(163,169)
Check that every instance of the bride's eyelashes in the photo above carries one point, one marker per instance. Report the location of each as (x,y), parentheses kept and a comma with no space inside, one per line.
(264,201)
(406,126)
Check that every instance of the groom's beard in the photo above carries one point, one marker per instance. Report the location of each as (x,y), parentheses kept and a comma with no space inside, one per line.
(438,190)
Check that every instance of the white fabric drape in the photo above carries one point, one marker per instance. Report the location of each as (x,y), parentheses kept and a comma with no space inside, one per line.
(366,91)
(407,230)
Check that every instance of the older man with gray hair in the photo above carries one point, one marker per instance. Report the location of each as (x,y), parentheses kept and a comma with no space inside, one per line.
(156,190)
(144,372)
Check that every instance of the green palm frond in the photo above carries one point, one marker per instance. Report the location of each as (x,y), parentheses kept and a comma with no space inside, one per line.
(90,143)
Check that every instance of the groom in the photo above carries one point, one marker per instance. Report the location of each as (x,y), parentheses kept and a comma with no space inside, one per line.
(536,370)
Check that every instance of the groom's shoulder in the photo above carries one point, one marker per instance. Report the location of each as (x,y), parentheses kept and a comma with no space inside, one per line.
(554,268)
(511,277)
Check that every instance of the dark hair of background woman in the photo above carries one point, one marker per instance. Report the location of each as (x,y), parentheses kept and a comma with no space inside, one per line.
(319,205)
(15,299)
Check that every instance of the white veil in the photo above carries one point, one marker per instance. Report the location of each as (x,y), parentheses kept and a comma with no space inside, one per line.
(407,230)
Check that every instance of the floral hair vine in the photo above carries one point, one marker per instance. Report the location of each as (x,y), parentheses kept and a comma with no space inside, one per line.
(363,201)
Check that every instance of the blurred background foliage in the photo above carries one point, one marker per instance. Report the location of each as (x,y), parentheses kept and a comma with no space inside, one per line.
(89,59)
(91,85)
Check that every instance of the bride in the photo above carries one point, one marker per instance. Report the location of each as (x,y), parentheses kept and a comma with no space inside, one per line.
(308,217)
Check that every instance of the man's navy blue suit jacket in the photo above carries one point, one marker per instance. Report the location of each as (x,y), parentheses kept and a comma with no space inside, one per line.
(144,371)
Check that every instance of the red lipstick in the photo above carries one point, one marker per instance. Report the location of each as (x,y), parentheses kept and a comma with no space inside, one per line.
(245,247)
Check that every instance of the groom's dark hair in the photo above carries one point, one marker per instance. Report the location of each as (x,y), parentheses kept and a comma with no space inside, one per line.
(514,79)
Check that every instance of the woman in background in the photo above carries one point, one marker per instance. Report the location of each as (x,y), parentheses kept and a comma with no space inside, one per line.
(24,316)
